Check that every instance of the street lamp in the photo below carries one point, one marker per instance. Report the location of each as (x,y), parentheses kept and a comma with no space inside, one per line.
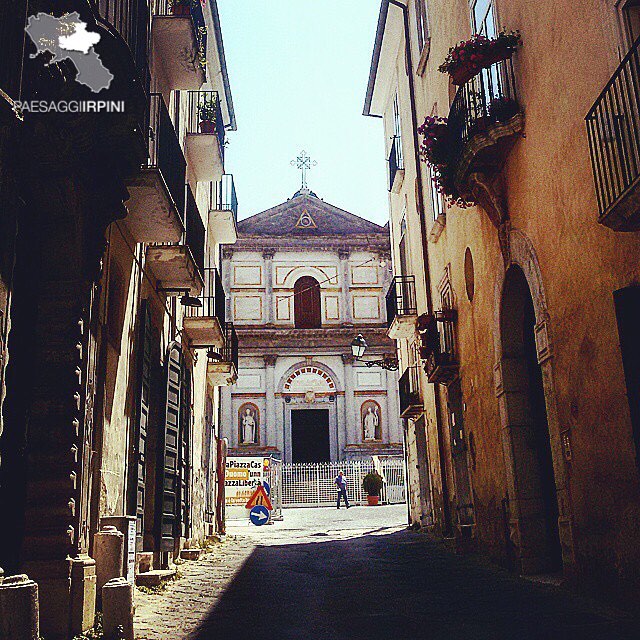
(358,348)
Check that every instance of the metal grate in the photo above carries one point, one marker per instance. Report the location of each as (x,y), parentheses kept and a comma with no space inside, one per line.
(165,153)
(401,298)
(613,126)
(313,484)
(198,102)
(222,196)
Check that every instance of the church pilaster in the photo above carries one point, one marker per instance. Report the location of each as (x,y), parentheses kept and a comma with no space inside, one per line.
(347,315)
(393,425)
(350,400)
(269,302)
(273,434)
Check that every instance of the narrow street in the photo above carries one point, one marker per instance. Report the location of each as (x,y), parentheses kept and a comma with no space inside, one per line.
(359,574)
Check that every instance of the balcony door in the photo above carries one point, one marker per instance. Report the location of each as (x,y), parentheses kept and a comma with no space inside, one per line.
(306,303)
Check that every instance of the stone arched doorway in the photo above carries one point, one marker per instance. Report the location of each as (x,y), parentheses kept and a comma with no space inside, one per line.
(534,501)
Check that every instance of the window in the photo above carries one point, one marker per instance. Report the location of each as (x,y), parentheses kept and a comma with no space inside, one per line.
(422,23)
(397,132)
(306,303)
(437,199)
(631,20)
(483,18)
(403,244)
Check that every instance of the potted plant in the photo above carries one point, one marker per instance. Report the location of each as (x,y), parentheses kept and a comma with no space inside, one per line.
(372,485)
(207,112)
(468,57)
(503,109)
(180,7)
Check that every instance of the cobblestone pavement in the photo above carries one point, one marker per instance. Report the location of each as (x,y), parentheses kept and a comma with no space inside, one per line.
(356,575)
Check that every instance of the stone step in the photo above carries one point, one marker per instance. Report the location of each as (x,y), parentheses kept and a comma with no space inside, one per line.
(155,577)
(191,554)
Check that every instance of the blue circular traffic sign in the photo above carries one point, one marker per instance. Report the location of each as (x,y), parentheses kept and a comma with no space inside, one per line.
(259,515)
(267,487)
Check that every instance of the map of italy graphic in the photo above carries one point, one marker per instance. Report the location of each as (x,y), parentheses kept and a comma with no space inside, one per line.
(67,38)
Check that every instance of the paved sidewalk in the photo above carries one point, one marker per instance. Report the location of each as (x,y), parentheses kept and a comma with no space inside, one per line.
(361,575)
(180,608)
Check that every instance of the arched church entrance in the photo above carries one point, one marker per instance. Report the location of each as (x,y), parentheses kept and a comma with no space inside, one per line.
(535,500)
(310,407)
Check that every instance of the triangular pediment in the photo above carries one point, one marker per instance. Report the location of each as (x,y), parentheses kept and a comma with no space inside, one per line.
(306,214)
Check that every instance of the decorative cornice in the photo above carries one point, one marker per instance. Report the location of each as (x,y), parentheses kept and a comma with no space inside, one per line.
(336,244)
(335,339)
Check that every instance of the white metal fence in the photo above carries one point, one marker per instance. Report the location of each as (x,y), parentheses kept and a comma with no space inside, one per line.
(313,484)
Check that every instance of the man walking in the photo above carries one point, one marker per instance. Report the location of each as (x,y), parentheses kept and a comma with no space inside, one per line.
(341,483)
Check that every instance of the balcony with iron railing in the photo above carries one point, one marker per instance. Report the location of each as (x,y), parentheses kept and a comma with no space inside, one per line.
(179,35)
(411,404)
(222,365)
(613,128)
(223,210)
(157,195)
(178,266)
(401,307)
(128,20)
(438,351)
(204,325)
(396,165)
(484,123)
(205,139)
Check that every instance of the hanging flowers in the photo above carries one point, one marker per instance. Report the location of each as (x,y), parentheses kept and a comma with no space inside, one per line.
(435,150)
(433,147)
(467,58)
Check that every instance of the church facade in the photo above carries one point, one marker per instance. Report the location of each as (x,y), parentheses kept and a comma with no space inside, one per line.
(305,278)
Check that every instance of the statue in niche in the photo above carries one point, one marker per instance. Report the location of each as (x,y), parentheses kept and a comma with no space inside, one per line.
(249,425)
(371,428)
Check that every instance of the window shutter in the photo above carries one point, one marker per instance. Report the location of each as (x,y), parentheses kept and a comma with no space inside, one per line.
(143,394)
(168,467)
(185,445)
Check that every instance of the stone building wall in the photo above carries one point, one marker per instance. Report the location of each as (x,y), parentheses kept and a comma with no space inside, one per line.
(571,265)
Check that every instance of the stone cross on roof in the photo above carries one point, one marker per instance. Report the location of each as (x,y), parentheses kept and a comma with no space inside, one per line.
(304,163)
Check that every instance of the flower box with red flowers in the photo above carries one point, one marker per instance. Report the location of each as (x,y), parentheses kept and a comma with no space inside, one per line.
(467,58)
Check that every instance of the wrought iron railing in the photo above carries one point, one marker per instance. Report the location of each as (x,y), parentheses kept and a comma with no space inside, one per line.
(130,20)
(195,233)
(613,127)
(438,347)
(230,349)
(183,9)
(488,98)
(222,195)
(165,153)
(213,298)
(409,391)
(204,115)
(401,298)
(396,161)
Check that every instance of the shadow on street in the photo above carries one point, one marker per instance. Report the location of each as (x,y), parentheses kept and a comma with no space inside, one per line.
(396,586)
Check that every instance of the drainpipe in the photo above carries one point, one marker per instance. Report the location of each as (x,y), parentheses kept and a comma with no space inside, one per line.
(425,254)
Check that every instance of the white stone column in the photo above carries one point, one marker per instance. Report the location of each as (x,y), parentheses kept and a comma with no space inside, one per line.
(227,280)
(273,435)
(347,315)
(393,403)
(350,400)
(226,428)
(269,301)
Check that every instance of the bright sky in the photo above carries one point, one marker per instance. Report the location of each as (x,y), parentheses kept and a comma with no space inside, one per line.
(298,72)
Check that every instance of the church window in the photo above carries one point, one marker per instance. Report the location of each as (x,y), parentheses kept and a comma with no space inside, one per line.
(307,311)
